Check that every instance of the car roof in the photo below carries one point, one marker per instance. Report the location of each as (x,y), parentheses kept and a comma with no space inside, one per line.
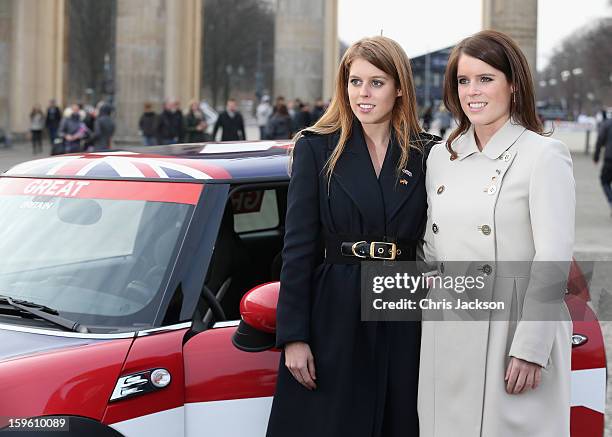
(219,162)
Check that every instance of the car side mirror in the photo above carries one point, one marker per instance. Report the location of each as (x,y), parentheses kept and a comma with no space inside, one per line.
(257,329)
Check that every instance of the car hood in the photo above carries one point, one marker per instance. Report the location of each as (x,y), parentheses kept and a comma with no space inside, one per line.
(18,344)
(43,374)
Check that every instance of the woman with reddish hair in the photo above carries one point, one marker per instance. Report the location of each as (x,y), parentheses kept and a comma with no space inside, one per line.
(501,197)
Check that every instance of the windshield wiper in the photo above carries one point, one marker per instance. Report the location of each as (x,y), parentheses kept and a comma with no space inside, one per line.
(45,313)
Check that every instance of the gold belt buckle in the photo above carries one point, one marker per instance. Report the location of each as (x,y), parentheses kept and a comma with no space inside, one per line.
(354,249)
(379,252)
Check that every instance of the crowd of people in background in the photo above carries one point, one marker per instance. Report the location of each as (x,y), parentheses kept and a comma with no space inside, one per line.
(285,119)
(77,128)
(279,121)
(171,126)
(82,128)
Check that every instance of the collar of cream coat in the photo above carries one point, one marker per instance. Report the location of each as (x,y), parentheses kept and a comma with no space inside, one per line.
(501,141)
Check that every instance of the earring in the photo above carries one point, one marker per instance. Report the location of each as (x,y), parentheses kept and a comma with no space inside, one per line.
(514,97)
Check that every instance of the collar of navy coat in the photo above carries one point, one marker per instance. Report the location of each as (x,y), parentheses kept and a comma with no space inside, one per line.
(501,141)
(355,174)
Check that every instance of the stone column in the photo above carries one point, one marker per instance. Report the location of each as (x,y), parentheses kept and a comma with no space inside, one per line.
(305,34)
(139,69)
(332,49)
(517,18)
(183,50)
(5,56)
(158,56)
(37,57)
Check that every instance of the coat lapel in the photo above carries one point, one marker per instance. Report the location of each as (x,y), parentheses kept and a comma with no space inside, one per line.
(505,137)
(397,190)
(355,174)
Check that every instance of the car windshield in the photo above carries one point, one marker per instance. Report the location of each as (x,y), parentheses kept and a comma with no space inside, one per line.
(99,252)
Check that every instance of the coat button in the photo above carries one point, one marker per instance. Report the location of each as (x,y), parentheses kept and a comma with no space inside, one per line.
(440,189)
(434,228)
(485,229)
(492,189)
(486,269)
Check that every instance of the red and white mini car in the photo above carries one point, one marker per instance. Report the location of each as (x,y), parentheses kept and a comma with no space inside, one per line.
(122,286)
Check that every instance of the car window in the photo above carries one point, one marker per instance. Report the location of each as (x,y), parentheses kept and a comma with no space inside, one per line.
(97,251)
(255,210)
(79,241)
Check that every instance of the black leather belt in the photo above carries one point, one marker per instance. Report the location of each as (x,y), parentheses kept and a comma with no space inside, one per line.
(351,249)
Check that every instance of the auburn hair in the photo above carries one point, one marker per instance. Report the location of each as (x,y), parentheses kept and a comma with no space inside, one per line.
(502,53)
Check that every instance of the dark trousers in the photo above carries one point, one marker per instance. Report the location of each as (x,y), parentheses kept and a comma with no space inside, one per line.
(36,141)
(606,179)
(52,135)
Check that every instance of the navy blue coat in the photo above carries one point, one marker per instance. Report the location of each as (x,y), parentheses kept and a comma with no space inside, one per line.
(367,372)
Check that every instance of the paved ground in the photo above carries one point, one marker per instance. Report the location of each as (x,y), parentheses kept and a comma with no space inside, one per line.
(593,247)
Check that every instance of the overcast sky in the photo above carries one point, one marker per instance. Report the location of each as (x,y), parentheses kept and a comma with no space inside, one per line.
(425,25)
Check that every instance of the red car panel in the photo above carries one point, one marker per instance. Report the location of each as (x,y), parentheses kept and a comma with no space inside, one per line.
(76,381)
(163,350)
(216,370)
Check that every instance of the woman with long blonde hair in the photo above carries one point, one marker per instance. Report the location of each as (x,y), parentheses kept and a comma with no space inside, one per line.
(357,193)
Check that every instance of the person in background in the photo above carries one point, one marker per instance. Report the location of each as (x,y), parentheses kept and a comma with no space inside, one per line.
(72,130)
(89,121)
(37,123)
(53,120)
(104,128)
(302,117)
(5,139)
(195,123)
(279,125)
(443,117)
(293,106)
(427,118)
(231,123)
(604,139)
(280,100)
(317,111)
(170,127)
(148,125)
(264,112)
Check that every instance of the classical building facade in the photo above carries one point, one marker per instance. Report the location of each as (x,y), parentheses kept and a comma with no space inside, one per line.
(157,51)
(517,18)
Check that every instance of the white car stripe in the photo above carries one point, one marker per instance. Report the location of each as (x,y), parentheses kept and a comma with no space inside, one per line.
(64,160)
(589,389)
(237,147)
(231,418)
(162,424)
(228,418)
(249,417)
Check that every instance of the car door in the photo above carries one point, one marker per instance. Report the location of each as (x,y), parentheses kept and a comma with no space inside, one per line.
(228,392)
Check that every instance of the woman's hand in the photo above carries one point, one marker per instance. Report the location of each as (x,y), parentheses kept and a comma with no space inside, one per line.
(300,362)
(522,375)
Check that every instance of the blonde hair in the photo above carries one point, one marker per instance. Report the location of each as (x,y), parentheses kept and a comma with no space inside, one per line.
(388,56)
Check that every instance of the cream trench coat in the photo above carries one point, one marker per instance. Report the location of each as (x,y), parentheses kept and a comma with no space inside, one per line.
(513,201)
